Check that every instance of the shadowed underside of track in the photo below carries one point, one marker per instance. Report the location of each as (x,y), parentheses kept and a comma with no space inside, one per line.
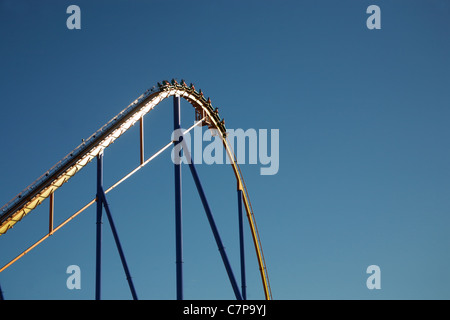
(54,178)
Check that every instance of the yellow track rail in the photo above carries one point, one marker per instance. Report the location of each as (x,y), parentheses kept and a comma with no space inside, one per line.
(48,183)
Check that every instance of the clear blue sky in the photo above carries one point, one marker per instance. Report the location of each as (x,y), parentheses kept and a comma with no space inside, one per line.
(364,128)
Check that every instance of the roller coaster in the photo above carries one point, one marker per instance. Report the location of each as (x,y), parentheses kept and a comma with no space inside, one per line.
(205,115)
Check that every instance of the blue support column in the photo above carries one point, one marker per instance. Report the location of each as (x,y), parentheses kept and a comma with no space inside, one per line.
(98,256)
(211,222)
(1,294)
(178,212)
(241,245)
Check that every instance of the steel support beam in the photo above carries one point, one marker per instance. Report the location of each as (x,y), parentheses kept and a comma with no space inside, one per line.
(101,202)
(119,246)
(211,221)
(178,212)
(241,245)
(141,138)
(98,246)
(50,218)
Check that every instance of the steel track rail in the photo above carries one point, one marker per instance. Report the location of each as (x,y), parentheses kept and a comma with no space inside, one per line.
(54,178)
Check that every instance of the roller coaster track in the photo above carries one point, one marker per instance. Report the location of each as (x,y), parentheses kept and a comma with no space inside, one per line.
(44,187)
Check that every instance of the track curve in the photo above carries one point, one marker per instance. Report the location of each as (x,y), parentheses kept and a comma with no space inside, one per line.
(54,178)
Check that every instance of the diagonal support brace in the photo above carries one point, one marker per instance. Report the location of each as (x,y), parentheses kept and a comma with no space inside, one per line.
(119,246)
(102,203)
(211,221)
